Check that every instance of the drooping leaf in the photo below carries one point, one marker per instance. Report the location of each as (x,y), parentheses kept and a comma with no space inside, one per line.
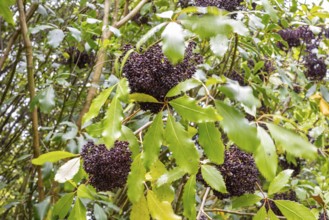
(270,10)
(271,215)
(5,11)
(123,90)
(157,169)
(243,94)
(171,176)
(39,28)
(41,208)
(214,178)
(211,141)
(141,97)
(265,156)
(68,170)
(128,135)
(160,210)
(72,131)
(165,192)
(99,213)
(140,210)
(47,99)
(261,214)
(152,141)
(79,211)
(219,45)
(279,181)
(97,104)
(173,45)
(75,33)
(237,127)
(63,205)
(181,145)
(245,200)
(150,34)
(294,211)
(112,123)
(52,157)
(296,145)
(183,87)
(85,191)
(190,110)
(55,37)
(189,198)
(135,180)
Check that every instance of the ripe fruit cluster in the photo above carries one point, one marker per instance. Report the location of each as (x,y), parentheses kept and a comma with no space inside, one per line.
(108,169)
(228,5)
(152,73)
(316,67)
(81,59)
(294,37)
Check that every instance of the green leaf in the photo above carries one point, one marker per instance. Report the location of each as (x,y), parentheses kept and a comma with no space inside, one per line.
(68,170)
(279,181)
(219,45)
(160,210)
(294,211)
(183,87)
(112,123)
(245,200)
(237,127)
(5,11)
(85,191)
(165,192)
(261,214)
(211,141)
(189,194)
(63,205)
(181,146)
(72,131)
(171,176)
(141,97)
(296,145)
(97,104)
(128,135)
(41,208)
(79,211)
(173,45)
(135,180)
(271,215)
(214,178)
(189,109)
(149,34)
(55,37)
(75,33)
(140,210)
(265,156)
(152,141)
(52,157)
(123,90)
(270,10)
(243,94)
(47,99)
(99,213)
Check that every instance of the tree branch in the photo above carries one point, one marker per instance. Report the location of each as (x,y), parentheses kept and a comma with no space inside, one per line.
(31,86)
(101,55)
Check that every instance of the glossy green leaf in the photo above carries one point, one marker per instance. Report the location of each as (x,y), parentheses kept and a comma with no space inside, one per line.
(279,181)
(261,214)
(123,90)
(55,37)
(99,213)
(171,176)
(243,94)
(63,205)
(265,156)
(157,170)
(270,10)
(173,45)
(245,200)
(141,97)
(112,123)
(140,210)
(210,139)
(128,135)
(296,145)
(135,182)
(85,191)
(181,146)
(47,99)
(165,192)
(5,11)
(150,34)
(97,104)
(160,210)
(189,109)
(214,178)
(68,170)
(189,201)
(183,87)
(52,157)
(294,211)
(237,127)
(79,211)
(152,141)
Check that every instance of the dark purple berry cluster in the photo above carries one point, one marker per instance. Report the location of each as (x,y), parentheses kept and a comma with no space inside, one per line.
(80,59)
(108,169)
(152,73)
(294,37)
(316,68)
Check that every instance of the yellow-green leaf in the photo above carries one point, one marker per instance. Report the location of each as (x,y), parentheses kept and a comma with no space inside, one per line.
(139,210)
(189,198)
(294,211)
(214,178)
(52,157)
(135,180)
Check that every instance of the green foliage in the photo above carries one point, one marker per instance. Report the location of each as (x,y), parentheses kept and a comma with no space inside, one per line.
(294,211)
(189,198)
(245,200)
(52,157)
(63,205)
(135,182)
(279,181)
(214,178)
(5,11)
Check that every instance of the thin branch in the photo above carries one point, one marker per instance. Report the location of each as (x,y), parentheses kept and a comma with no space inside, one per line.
(101,56)
(204,199)
(30,72)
